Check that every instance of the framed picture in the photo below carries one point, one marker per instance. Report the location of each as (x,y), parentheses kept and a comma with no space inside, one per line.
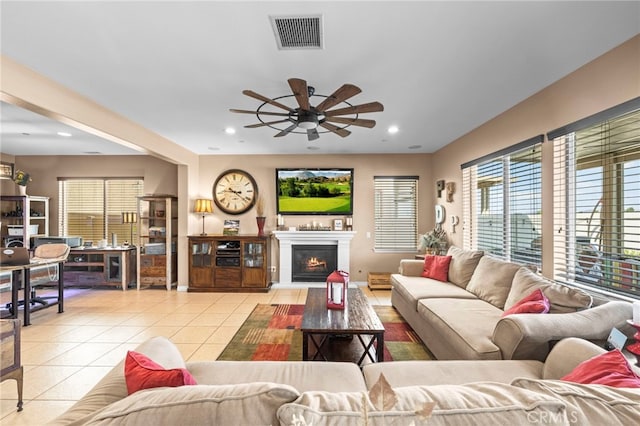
(337,224)
(231,227)
(6,170)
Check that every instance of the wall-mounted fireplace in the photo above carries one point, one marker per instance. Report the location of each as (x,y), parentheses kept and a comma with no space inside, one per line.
(313,263)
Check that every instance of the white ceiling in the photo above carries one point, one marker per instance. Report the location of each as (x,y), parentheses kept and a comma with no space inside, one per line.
(440,68)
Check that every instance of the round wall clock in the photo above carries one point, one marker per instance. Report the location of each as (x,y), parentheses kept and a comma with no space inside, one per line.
(235,191)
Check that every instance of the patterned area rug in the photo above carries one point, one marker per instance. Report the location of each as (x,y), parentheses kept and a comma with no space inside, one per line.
(272,333)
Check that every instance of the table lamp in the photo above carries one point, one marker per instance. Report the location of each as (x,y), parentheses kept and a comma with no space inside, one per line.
(203,206)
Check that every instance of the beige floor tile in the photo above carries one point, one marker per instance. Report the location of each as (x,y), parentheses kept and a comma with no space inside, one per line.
(82,354)
(212,320)
(118,334)
(45,351)
(192,334)
(76,385)
(178,319)
(34,413)
(148,333)
(37,380)
(222,335)
(187,349)
(114,356)
(207,352)
(236,319)
(83,333)
(44,333)
(222,308)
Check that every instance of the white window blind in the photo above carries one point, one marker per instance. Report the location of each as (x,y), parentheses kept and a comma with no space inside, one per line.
(502,198)
(92,208)
(597,200)
(396,213)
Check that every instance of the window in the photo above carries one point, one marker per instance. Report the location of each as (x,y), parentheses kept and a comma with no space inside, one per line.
(396,212)
(597,200)
(92,208)
(502,203)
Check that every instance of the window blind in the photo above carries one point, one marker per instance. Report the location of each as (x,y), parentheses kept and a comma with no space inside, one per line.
(396,212)
(502,198)
(92,208)
(597,201)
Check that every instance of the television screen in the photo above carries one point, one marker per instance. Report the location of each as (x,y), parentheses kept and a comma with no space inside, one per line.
(314,191)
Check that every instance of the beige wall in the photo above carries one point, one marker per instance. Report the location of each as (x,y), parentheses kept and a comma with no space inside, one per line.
(607,81)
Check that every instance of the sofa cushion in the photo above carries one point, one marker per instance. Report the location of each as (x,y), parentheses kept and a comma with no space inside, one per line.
(590,404)
(535,303)
(471,404)
(141,372)
(610,368)
(254,404)
(416,288)
(491,280)
(463,263)
(436,267)
(466,324)
(562,298)
(302,375)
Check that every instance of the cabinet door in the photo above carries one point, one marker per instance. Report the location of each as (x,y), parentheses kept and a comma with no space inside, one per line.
(254,264)
(201,264)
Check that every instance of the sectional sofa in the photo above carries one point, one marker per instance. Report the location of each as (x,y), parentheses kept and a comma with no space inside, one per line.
(461,317)
(331,393)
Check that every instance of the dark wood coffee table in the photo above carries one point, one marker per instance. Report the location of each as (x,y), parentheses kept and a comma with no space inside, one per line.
(358,319)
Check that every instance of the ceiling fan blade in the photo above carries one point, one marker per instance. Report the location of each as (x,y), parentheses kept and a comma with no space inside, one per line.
(244,111)
(301,92)
(266,123)
(342,94)
(337,130)
(356,109)
(353,121)
(312,134)
(286,131)
(270,101)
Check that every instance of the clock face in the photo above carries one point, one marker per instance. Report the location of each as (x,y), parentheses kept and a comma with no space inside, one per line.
(235,191)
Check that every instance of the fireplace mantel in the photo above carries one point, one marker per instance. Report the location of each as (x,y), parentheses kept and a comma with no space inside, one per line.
(287,239)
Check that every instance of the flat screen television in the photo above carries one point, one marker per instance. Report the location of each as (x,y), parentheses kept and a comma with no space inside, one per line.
(314,191)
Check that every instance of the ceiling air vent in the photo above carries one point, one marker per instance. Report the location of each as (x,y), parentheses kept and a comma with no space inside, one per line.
(297,32)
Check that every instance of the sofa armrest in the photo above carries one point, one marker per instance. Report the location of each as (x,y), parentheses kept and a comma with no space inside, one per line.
(566,355)
(527,336)
(411,267)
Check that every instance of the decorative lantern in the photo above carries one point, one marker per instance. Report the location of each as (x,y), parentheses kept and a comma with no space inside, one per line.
(337,284)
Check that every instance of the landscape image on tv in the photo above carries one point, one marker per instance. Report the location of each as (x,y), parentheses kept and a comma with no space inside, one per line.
(314,191)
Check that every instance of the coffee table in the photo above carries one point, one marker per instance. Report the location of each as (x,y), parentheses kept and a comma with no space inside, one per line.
(358,319)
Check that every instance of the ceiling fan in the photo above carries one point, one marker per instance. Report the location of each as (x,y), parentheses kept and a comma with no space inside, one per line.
(306,118)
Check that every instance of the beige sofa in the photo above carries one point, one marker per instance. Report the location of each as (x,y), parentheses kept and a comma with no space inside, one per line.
(462,318)
(319,393)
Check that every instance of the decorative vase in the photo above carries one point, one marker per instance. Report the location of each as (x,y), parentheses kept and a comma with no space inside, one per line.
(22,189)
(260,221)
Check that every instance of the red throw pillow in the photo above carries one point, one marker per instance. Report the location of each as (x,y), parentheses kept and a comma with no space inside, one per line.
(611,369)
(140,372)
(436,267)
(535,303)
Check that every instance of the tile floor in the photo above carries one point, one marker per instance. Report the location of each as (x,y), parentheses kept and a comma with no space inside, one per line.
(64,355)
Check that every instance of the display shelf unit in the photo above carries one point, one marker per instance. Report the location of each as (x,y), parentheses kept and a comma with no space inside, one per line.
(26,211)
(238,263)
(92,266)
(157,247)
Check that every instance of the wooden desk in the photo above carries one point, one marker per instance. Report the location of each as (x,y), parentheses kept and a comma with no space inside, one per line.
(101,266)
(22,274)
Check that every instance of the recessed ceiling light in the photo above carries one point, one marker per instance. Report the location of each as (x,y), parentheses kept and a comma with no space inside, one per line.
(213,148)
(415,146)
(92,152)
(230,131)
(26,134)
(65,134)
(393,129)
(313,148)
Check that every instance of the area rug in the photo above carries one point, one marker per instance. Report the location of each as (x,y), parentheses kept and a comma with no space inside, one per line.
(272,333)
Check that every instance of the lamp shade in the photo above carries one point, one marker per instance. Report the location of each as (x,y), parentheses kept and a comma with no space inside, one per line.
(129,217)
(203,205)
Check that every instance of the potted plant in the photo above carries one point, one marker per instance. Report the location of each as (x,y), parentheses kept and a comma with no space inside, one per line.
(433,241)
(22,178)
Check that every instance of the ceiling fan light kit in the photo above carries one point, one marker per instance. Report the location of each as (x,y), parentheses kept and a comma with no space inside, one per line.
(308,118)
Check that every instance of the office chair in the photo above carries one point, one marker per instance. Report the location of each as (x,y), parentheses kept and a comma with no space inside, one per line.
(45,253)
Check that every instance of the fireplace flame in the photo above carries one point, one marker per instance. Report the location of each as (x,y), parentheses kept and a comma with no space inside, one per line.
(313,263)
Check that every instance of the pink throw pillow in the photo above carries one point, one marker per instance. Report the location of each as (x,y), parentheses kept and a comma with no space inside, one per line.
(140,372)
(436,267)
(535,303)
(611,369)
